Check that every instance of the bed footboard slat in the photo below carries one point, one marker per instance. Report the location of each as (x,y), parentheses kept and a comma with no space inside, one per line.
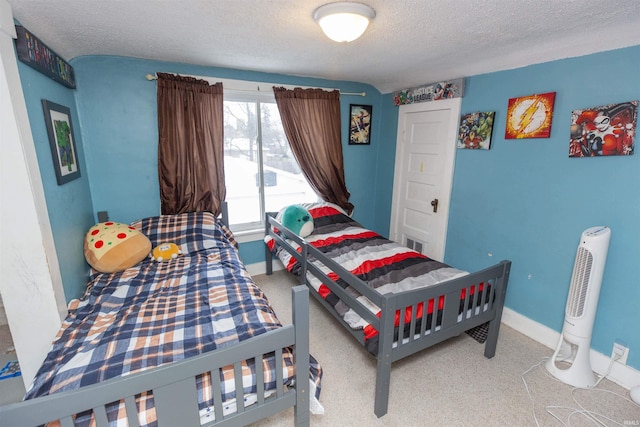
(237,377)
(412,327)
(259,379)
(424,318)
(100,415)
(279,380)
(492,295)
(471,302)
(217,395)
(132,411)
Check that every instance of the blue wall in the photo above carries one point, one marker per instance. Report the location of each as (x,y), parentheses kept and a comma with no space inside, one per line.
(69,205)
(385,164)
(527,201)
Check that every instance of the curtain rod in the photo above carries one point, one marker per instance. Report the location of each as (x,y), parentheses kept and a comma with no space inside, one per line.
(152,77)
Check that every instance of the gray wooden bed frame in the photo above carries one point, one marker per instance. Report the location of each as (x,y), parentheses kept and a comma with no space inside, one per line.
(419,338)
(174,385)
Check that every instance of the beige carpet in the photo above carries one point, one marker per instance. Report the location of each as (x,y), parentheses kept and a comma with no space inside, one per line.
(6,343)
(451,384)
(11,389)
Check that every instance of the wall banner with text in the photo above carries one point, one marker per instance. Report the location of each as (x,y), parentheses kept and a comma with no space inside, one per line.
(430,92)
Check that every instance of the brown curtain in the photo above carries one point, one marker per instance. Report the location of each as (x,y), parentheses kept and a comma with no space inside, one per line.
(190,145)
(311,121)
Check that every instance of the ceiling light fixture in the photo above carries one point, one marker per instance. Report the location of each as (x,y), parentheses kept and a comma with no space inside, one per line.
(344,21)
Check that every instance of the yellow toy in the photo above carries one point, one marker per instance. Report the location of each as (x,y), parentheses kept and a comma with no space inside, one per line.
(165,252)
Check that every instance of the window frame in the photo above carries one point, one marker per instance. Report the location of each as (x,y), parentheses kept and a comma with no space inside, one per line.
(257,98)
(250,231)
(246,90)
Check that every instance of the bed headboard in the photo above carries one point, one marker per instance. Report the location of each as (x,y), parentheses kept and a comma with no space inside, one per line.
(103,216)
(224,213)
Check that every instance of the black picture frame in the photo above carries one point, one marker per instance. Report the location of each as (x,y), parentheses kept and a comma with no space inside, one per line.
(57,119)
(360,124)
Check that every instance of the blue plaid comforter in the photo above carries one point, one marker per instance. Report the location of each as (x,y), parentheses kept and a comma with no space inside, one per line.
(157,313)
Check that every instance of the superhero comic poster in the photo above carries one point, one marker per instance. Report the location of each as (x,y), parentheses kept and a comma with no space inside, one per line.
(530,116)
(608,130)
(475,130)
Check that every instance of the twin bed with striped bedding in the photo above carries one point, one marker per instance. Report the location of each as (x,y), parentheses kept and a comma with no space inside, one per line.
(157,315)
(394,300)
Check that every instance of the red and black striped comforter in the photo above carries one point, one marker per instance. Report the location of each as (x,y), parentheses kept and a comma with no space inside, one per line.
(383,264)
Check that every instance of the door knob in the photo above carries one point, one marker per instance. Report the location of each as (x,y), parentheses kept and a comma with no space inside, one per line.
(434,203)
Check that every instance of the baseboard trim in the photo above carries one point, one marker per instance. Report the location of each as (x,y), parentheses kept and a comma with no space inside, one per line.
(261,267)
(622,375)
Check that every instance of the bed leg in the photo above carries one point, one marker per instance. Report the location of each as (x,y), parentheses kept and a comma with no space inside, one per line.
(300,300)
(383,366)
(492,333)
(268,258)
(383,379)
(492,338)
(494,325)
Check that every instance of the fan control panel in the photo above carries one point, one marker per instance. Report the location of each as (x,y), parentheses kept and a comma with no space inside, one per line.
(596,231)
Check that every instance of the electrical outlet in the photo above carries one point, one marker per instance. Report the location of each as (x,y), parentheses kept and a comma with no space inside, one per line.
(621,351)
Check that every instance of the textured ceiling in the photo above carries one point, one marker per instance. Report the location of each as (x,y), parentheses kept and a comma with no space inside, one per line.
(409,43)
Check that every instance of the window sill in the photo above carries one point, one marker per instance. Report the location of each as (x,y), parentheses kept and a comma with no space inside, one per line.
(248,235)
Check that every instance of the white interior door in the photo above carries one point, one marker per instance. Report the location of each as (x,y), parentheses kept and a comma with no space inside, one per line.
(425,155)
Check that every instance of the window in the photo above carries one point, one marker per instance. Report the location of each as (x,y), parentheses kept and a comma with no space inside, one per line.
(261,173)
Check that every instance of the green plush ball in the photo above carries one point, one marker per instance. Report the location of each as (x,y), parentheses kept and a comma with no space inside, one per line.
(297,219)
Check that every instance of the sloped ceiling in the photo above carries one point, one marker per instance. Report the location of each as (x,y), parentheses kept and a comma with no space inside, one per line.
(409,43)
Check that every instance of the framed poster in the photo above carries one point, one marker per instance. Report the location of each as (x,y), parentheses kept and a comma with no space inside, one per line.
(430,92)
(63,146)
(530,116)
(607,130)
(37,55)
(475,130)
(360,124)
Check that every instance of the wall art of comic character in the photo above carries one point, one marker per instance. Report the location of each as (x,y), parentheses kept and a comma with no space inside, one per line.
(608,130)
(475,130)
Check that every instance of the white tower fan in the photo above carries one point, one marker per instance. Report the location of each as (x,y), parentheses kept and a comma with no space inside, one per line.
(570,362)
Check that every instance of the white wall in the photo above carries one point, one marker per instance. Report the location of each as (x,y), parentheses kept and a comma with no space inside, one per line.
(30,282)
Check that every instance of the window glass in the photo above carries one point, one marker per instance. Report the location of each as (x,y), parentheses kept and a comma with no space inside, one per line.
(241,161)
(261,172)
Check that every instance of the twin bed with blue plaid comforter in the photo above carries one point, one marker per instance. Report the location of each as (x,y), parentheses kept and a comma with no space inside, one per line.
(156,313)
